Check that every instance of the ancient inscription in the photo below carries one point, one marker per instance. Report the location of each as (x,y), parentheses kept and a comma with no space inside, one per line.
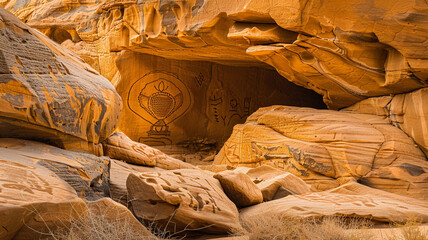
(159,98)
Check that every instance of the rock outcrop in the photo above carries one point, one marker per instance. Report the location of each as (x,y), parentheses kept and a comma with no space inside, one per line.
(405,111)
(325,148)
(344,50)
(33,198)
(119,172)
(239,188)
(183,200)
(47,93)
(366,203)
(120,146)
(89,175)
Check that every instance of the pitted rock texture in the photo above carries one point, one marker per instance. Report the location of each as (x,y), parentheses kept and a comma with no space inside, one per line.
(345,50)
(326,148)
(47,93)
(183,200)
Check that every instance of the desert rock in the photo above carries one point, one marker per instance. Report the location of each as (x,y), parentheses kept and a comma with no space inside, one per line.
(318,145)
(184,199)
(239,188)
(119,172)
(89,175)
(116,213)
(33,198)
(346,51)
(119,146)
(334,203)
(47,93)
(405,111)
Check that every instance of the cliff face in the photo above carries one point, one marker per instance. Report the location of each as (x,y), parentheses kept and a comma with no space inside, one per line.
(201,72)
(344,50)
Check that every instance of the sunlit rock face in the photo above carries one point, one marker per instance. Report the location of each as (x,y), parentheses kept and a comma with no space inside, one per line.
(49,94)
(327,148)
(344,50)
(170,102)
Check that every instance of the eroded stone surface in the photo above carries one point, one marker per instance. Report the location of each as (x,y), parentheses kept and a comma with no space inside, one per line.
(117,214)
(119,172)
(48,93)
(119,146)
(33,198)
(275,183)
(87,174)
(405,111)
(345,50)
(362,202)
(239,188)
(325,148)
(183,199)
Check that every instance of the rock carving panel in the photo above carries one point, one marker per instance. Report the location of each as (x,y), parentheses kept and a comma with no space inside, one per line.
(159,98)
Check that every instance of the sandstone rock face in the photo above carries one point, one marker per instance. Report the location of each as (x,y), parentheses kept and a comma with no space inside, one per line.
(275,183)
(119,146)
(172,102)
(365,203)
(115,213)
(239,188)
(326,148)
(33,197)
(119,172)
(406,111)
(345,50)
(47,93)
(183,199)
(87,174)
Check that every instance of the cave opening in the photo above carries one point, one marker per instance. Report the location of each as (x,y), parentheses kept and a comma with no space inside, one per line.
(183,106)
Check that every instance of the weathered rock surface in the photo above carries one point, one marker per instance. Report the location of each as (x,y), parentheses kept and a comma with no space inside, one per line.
(119,146)
(345,50)
(239,188)
(117,214)
(275,183)
(87,174)
(119,172)
(325,148)
(173,102)
(343,202)
(47,93)
(33,198)
(405,111)
(184,199)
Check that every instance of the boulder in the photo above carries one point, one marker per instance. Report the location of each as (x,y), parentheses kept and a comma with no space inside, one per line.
(113,213)
(47,93)
(339,202)
(329,147)
(87,174)
(239,188)
(183,200)
(33,200)
(119,172)
(405,111)
(119,146)
(283,185)
(275,183)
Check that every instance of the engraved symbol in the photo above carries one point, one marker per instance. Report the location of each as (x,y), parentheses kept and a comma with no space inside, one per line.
(162,98)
